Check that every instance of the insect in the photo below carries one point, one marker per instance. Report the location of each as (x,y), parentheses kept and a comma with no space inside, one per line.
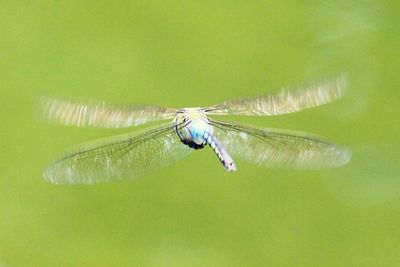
(187,129)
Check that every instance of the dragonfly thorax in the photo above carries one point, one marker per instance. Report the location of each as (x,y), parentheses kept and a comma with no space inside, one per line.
(192,125)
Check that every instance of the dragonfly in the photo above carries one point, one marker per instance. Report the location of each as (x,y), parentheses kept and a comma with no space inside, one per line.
(185,130)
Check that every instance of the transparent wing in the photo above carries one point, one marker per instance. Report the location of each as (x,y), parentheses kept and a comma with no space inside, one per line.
(100,114)
(279,148)
(285,101)
(120,158)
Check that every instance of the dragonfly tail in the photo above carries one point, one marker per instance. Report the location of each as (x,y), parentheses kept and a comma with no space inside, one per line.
(222,154)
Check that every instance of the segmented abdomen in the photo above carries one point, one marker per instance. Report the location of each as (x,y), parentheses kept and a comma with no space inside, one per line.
(222,154)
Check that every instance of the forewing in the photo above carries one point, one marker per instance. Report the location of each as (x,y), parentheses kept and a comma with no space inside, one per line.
(119,158)
(285,101)
(279,148)
(100,114)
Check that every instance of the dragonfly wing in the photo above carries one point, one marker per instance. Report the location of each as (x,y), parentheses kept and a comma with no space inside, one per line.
(279,148)
(285,101)
(100,114)
(119,158)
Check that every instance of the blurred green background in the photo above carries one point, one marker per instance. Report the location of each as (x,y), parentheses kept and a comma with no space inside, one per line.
(197,53)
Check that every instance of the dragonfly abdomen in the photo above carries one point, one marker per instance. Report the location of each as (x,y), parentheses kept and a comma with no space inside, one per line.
(222,154)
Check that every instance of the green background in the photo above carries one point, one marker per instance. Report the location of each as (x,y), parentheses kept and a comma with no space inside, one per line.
(198,53)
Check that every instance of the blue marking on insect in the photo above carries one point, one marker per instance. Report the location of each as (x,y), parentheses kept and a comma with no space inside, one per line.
(197,130)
